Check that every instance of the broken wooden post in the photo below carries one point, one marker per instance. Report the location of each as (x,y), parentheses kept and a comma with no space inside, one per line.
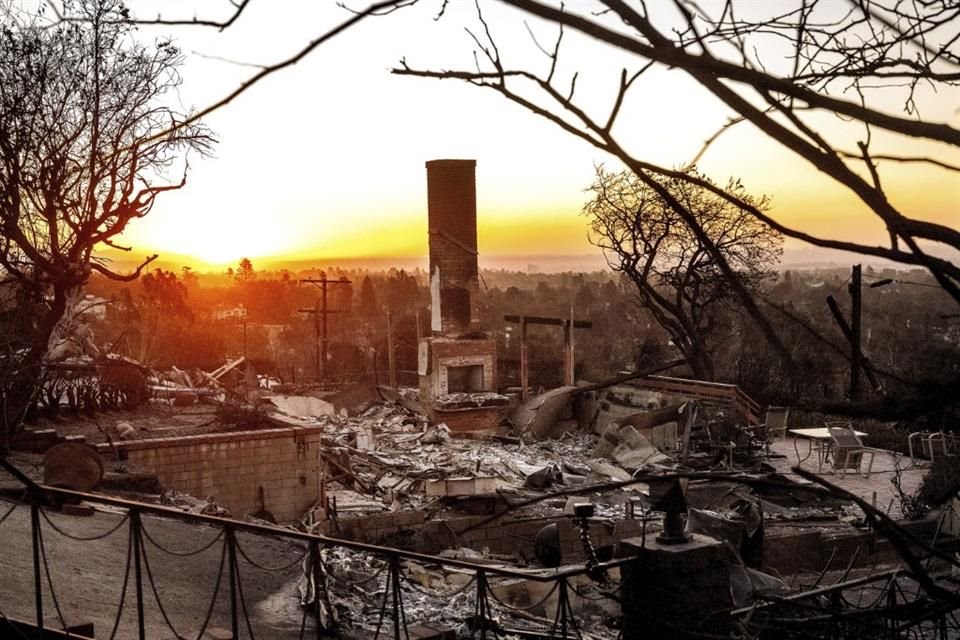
(568,326)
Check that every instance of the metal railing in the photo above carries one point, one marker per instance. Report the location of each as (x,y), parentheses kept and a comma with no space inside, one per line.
(885,604)
(391,600)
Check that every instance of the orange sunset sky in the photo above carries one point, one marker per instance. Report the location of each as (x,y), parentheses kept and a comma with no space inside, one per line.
(326,159)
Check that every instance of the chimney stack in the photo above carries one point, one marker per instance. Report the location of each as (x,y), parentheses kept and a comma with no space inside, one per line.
(452,220)
(457,364)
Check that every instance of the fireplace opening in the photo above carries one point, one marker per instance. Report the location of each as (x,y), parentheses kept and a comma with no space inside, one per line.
(468,379)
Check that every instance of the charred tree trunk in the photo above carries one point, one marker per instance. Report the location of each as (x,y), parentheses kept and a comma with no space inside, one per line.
(698,357)
(25,375)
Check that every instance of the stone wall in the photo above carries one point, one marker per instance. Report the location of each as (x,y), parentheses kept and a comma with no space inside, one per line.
(234,468)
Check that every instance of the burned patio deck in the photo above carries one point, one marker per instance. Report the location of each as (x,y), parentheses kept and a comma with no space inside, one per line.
(877,488)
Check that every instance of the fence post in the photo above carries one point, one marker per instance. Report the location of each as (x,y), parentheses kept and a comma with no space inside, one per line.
(315,572)
(137,570)
(482,608)
(232,560)
(399,616)
(565,617)
(37,584)
(562,605)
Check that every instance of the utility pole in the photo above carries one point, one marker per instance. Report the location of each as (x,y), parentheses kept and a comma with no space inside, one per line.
(316,336)
(391,364)
(524,361)
(856,355)
(320,312)
(852,332)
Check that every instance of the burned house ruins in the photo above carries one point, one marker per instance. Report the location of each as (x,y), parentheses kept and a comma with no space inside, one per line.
(642,505)
(458,361)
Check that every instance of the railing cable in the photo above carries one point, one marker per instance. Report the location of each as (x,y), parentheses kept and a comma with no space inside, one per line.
(46,570)
(216,590)
(13,507)
(123,589)
(239,586)
(243,554)
(99,536)
(180,554)
(153,587)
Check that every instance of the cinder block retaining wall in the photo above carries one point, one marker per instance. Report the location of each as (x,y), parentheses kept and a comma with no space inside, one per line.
(421,531)
(810,550)
(234,467)
(413,530)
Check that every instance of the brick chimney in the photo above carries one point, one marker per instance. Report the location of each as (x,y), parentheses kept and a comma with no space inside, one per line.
(452,219)
(458,362)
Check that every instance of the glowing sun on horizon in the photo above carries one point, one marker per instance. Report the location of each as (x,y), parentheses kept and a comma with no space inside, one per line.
(215,242)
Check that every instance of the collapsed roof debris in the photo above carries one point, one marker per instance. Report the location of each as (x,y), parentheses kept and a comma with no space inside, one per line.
(394,477)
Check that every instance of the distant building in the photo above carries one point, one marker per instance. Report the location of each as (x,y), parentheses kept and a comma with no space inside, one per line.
(92,307)
(233,313)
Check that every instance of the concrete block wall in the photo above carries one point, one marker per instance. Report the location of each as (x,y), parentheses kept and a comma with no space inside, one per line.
(810,550)
(233,468)
(422,532)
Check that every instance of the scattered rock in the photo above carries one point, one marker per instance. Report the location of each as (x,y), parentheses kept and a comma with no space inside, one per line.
(124,431)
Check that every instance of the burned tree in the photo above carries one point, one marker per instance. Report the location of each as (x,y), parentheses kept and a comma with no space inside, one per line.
(778,69)
(164,302)
(676,276)
(87,138)
(820,79)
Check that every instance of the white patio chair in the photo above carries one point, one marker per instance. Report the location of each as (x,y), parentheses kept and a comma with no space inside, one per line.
(847,451)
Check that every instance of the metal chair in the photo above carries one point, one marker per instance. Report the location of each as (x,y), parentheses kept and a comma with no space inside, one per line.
(930,441)
(776,421)
(847,450)
(774,425)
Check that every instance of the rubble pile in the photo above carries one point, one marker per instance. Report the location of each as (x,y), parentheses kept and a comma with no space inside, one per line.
(394,456)
(205,506)
(357,586)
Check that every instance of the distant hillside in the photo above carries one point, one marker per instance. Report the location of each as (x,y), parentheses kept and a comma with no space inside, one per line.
(125,261)
(793,258)
(817,258)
